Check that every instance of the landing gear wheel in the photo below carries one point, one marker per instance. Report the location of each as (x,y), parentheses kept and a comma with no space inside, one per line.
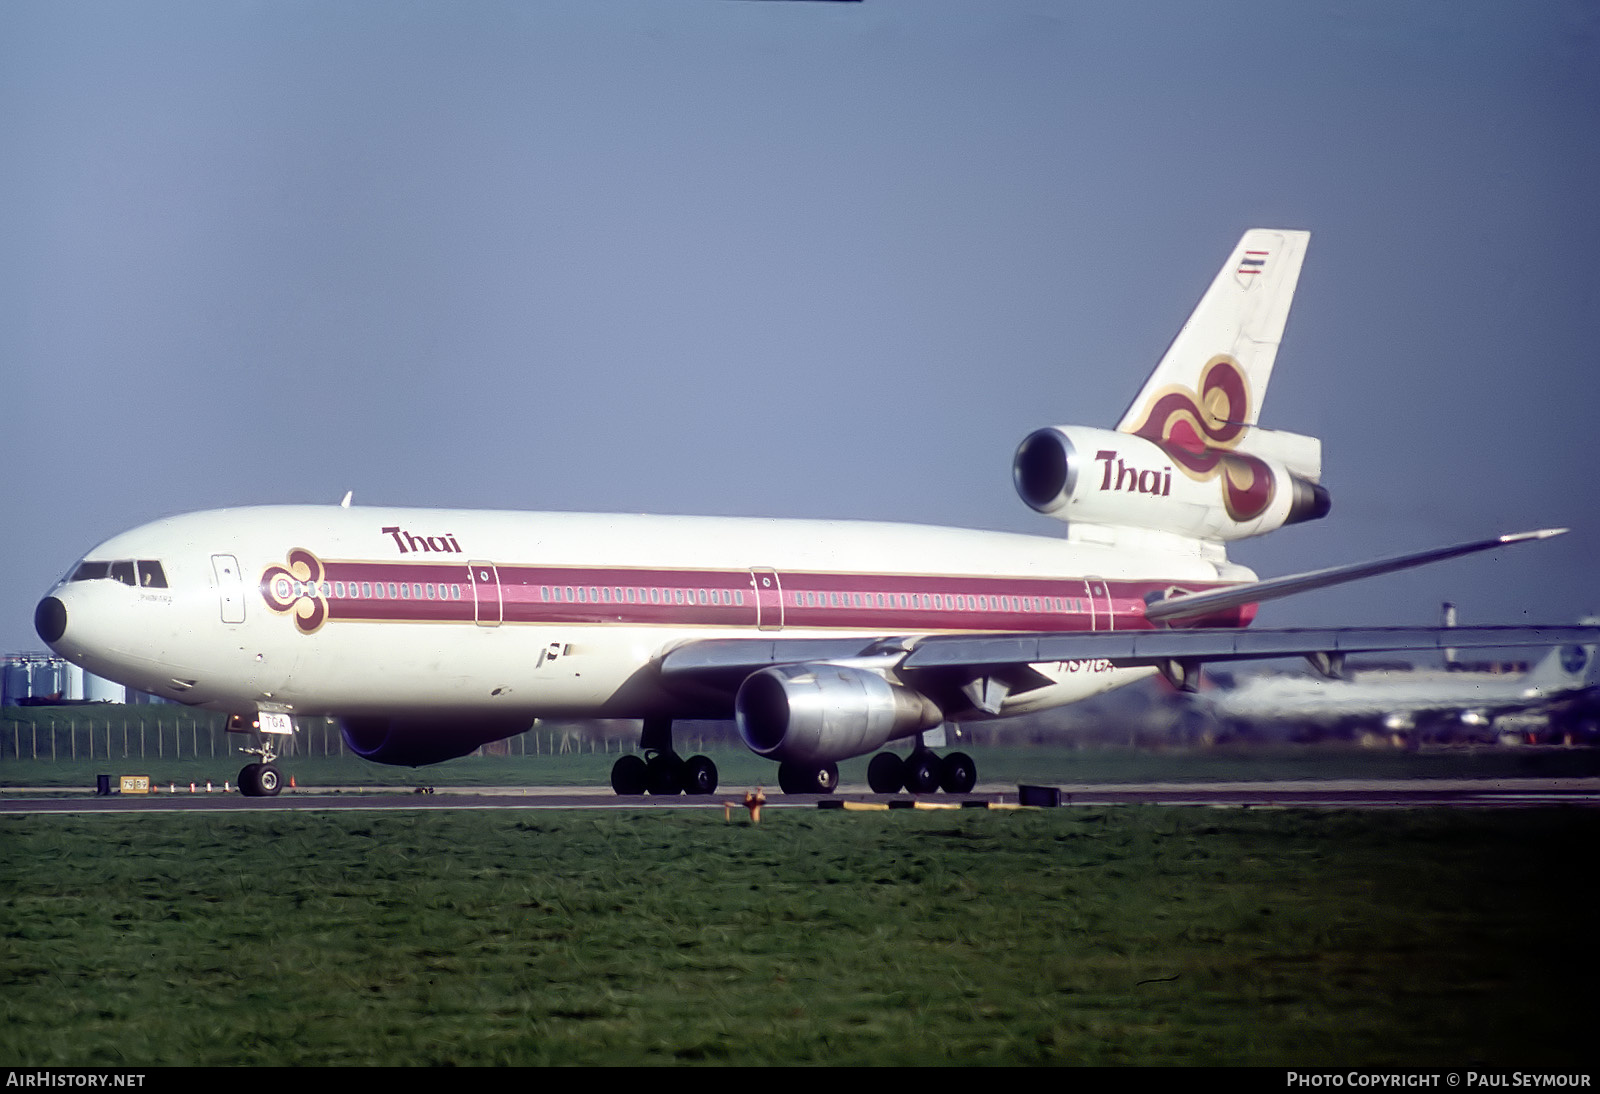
(957,773)
(629,775)
(268,781)
(805,779)
(886,774)
(699,776)
(664,774)
(250,780)
(922,773)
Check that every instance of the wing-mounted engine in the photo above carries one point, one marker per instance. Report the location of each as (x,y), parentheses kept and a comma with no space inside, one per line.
(1109,478)
(816,713)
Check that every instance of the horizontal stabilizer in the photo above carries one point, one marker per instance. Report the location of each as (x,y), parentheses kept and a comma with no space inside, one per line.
(1195,605)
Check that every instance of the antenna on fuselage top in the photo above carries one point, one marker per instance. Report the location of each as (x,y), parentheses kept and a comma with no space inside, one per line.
(348,494)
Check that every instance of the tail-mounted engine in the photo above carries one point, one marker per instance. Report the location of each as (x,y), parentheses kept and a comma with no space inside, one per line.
(819,713)
(1099,476)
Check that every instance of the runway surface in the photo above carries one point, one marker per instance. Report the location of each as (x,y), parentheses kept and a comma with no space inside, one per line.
(1316,794)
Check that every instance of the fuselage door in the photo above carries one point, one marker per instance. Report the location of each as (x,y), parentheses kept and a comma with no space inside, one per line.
(1100,614)
(769,598)
(230,587)
(488,610)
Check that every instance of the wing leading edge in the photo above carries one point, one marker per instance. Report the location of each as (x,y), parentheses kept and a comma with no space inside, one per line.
(732,657)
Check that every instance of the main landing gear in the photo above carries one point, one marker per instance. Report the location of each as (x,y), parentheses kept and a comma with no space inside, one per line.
(661,770)
(922,772)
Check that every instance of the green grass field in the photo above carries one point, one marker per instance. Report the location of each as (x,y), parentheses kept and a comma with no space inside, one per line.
(1136,935)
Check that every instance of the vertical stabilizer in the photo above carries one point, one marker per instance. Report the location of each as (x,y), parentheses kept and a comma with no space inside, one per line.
(1211,381)
(1564,667)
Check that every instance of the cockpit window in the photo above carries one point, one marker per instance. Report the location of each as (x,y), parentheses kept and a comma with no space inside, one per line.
(141,574)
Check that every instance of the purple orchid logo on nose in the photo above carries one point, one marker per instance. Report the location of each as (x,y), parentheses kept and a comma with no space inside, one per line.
(298,588)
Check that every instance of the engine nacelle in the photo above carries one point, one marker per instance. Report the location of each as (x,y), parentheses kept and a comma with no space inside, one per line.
(413,742)
(818,713)
(1099,476)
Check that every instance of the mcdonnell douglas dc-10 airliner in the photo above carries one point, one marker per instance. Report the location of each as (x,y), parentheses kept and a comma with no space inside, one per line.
(430,632)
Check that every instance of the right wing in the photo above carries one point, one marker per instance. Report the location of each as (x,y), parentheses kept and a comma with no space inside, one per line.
(722,663)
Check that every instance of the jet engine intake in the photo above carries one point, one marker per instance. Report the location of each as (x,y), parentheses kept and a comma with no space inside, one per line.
(819,713)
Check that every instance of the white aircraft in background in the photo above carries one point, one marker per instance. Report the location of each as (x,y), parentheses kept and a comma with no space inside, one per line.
(1403,703)
(429,632)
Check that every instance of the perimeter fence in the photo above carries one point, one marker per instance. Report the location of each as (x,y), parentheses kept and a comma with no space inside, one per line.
(107,731)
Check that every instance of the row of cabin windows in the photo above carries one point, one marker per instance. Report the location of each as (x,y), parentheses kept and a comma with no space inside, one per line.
(367,590)
(938,602)
(141,573)
(633,594)
(592,594)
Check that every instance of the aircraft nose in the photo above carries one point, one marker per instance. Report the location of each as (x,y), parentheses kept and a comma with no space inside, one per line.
(50,620)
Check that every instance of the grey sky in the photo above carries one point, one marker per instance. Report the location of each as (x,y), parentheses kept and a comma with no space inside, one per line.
(791,260)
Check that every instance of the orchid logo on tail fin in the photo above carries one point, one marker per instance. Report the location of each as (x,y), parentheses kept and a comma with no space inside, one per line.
(1199,431)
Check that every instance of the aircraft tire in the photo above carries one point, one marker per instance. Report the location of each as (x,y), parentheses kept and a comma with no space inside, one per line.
(664,774)
(804,779)
(958,774)
(699,776)
(922,773)
(268,781)
(886,773)
(629,775)
(250,780)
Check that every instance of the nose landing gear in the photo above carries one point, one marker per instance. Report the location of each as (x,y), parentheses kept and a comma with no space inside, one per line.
(261,780)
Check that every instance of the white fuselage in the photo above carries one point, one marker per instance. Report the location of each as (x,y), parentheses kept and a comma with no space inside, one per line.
(1380,695)
(365,611)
